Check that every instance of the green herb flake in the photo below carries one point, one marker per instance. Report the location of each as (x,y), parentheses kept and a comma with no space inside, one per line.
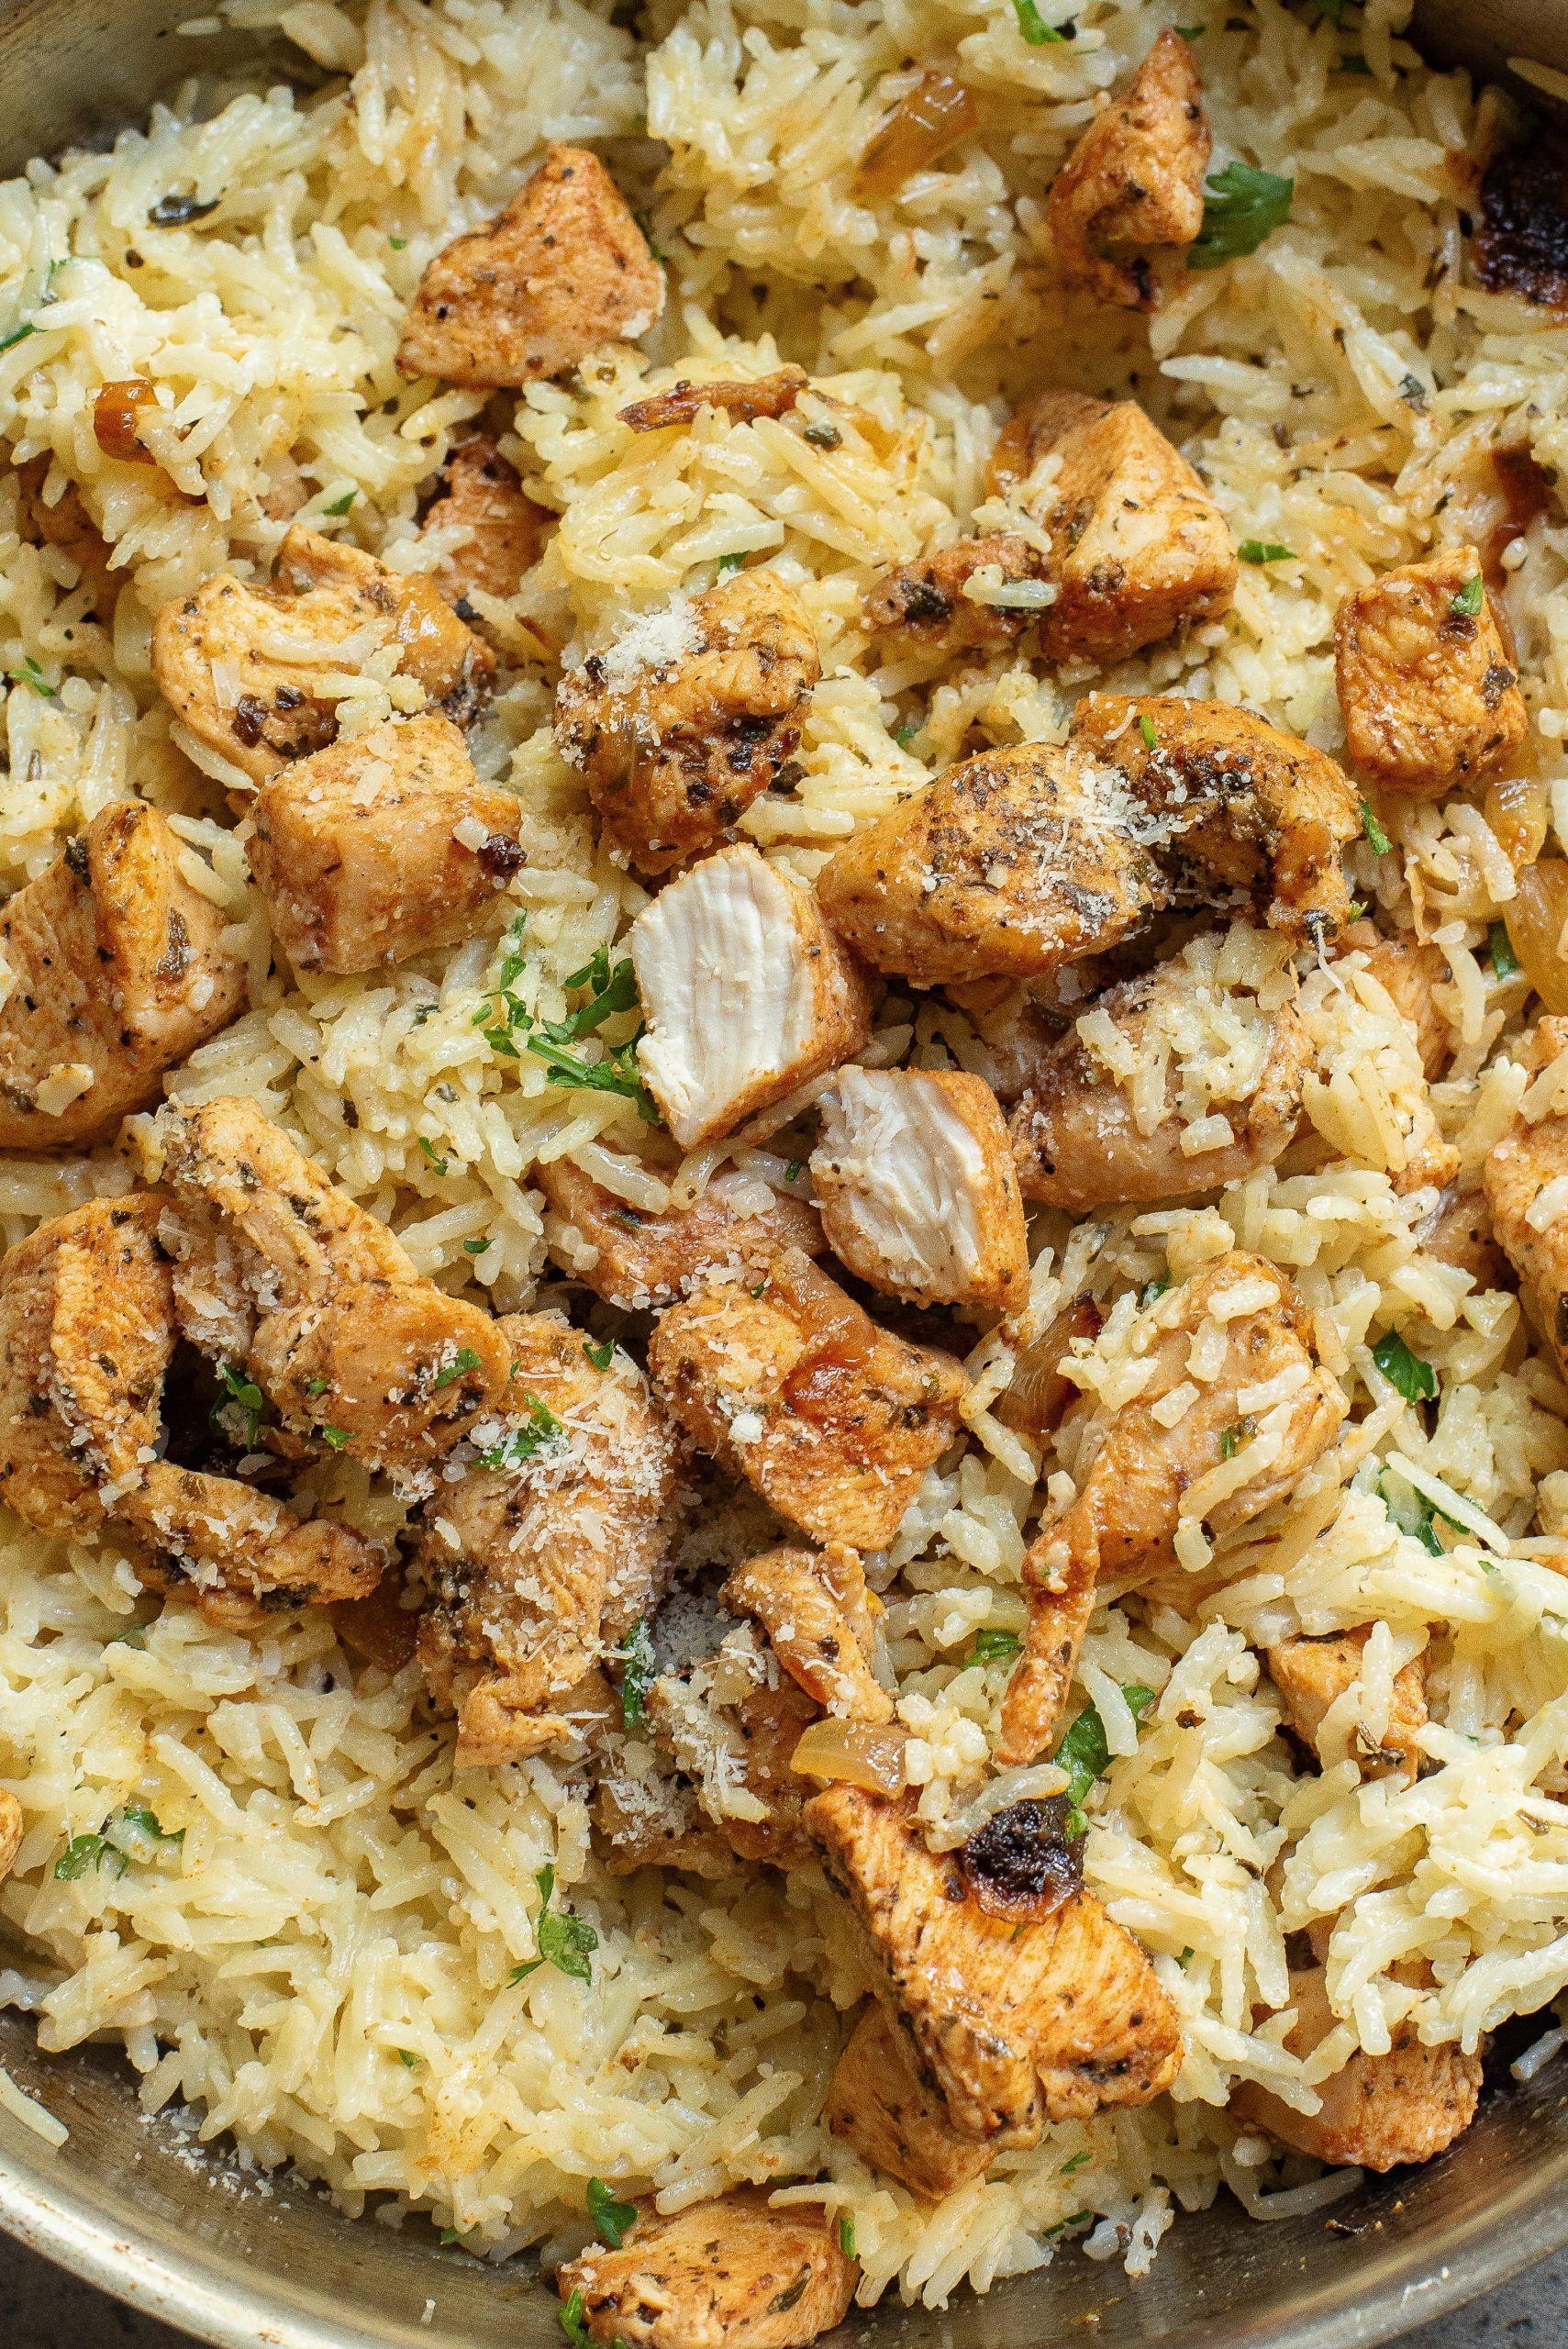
(1467,604)
(1377,840)
(1500,946)
(1191,32)
(847,2240)
(317,1386)
(1414,1380)
(1229,1439)
(16,335)
(905,735)
(1184,1958)
(141,1821)
(1033,26)
(639,1671)
(566,1940)
(571,2324)
(727,563)
(1243,206)
(474,1247)
(244,1393)
(794,1170)
(135,1638)
(992,1647)
(333,1438)
(541,1432)
(398,244)
(1151,1290)
(1076,2162)
(1146,728)
(457,2235)
(600,1356)
(464,1359)
(1084,1753)
(1079,2219)
(341,505)
(29,674)
(612,2221)
(406,2056)
(85,1852)
(1264,550)
(433,1154)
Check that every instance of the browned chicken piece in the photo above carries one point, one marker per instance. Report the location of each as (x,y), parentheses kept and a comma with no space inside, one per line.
(1033,431)
(1265,1388)
(484,496)
(12,1825)
(878,2104)
(1521,1171)
(561,270)
(917,1190)
(642,1260)
(652,1819)
(787,1382)
(241,666)
(1430,1162)
(746,993)
(118,970)
(688,715)
(924,608)
(1379,2111)
(813,1609)
(727,2274)
(1076,1138)
(1429,695)
(65,523)
(683,402)
(1015,1022)
(87,1331)
(1310,1673)
(1049,2018)
(239,1552)
(1011,863)
(382,847)
(758,1735)
(1458,1233)
(1230,799)
(1409,970)
(557,1542)
(1134,178)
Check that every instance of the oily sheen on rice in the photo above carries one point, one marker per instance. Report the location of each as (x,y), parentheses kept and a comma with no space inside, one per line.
(323,1972)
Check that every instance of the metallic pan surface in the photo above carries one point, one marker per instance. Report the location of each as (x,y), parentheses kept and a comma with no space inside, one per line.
(132,2207)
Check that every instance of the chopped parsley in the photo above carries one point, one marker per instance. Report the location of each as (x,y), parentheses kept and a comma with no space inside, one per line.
(566,1940)
(1414,1380)
(29,674)
(543,1432)
(1377,840)
(612,2221)
(847,2242)
(85,1852)
(1470,598)
(991,1647)
(460,2234)
(16,335)
(794,1170)
(600,1356)
(639,1669)
(513,961)
(1079,2219)
(317,1386)
(609,991)
(1229,1439)
(1075,2162)
(1153,1289)
(1086,1756)
(406,2056)
(727,563)
(1264,550)
(398,244)
(1033,26)
(1146,728)
(1243,206)
(905,735)
(433,1154)
(571,2324)
(474,1247)
(1191,32)
(333,1438)
(132,1832)
(1186,1956)
(1500,946)
(1414,1514)
(341,505)
(464,1359)
(244,1393)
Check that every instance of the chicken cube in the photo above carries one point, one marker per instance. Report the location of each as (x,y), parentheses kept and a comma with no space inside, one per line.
(381,847)
(788,1382)
(504,532)
(1458,1233)
(86,1332)
(547,1551)
(1263,1413)
(1429,695)
(242,1554)
(917,1190)
(1011,863)
(1077,1135)
(742,403)
(1033,431)
(1231,795)
(1048,2018)
(1015,1022)
(1377,2112)
(746,993)
(562,269)
(117,970)
(816,1611)
(1311,1674)
(923,607)
(689,715)
(241,666)
(13,1826)
(1526,1185)
(638,1261)
(1134,178)
(739,1748)
(733,2274)
(878,2104)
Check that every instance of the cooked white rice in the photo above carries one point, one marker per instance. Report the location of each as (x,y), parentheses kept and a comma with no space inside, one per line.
(321,1967)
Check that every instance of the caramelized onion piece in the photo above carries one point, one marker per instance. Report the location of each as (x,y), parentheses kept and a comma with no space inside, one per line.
(1536,919)
(1037,1395)
(1023,1862)
(859,1752)
(935,115)
(1518,809)
(115,414)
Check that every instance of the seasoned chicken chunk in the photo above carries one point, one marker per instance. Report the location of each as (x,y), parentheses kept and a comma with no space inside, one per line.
(742,403)
(689,715)
(832,1420)
(746,993)
(1050,2019)
(1077,1135)
(1134,178)
(1011,863)
(503,533)
(241,667)
(917,1188)
(738,1747)
(378,847)
(638,1261)
(87,1331)
(550,1548)
(1262,1413)
(1311,1674)
(1231,797)
(13,1826)
(879,2105)
(923,606)
(1458,1233)
(1429,695)
(118,970)
(814,1608)
(1015,1022)
(65,523)
(1376,2112)
(1526,1185)
(241,1553)
(727,2274)
(561,270)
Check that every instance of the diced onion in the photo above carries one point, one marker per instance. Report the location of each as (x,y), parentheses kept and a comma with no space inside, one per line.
(1536,919)
(859,1753)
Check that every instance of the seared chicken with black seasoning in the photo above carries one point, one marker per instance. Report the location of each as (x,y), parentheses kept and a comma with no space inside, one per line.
(490,529)
(1135,178)
(879,2104)
(636,1259)
(817,1613)
(1312,1675)
(1429,694)
(733,2274)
